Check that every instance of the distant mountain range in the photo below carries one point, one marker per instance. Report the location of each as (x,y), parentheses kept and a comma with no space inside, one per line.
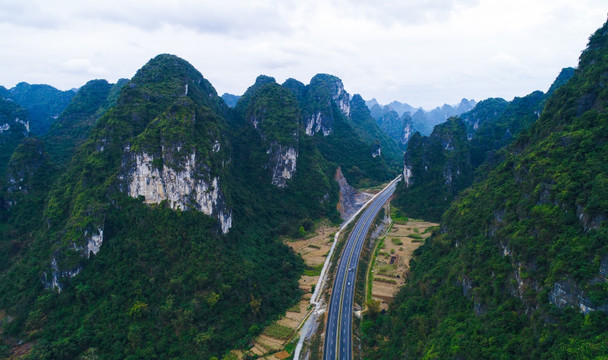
(400,120)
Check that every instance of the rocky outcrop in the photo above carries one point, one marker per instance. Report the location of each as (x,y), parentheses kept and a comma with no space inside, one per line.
(566,293)
(351,200)
(283,160)
(187,187)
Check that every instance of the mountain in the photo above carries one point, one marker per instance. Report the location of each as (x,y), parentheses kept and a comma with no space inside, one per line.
(141,247)
(400,127)
(43,102)
(425,123)
(14,126)
(230,99)
(145,222)
(485,111)
(520,266)
(495,123)
(344,131)
(436,169)
(431,184)
(74,124)
(368,129)
(401,108)
(518,115)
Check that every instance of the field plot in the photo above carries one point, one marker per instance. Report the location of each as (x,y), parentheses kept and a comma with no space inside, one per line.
(393,256)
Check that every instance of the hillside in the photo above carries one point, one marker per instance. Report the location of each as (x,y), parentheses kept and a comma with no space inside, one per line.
(146,221)
(138,248)
(436,169)
(14,126)
(435,173)
(43,102)
(519,269)
(400,120)
(74,124)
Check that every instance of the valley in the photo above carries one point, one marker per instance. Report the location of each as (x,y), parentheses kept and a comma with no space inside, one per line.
(152,218)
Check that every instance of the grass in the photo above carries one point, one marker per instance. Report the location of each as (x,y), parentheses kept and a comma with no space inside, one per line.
(415,236)
(388,281)
(430,229)
(398,216)
(314,246)
(313,270)
(295,308)
(417,240)
(386,269)
(397,241)
(278,331)
(370,273)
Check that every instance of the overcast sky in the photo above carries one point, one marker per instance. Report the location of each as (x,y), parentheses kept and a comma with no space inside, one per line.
(423,52)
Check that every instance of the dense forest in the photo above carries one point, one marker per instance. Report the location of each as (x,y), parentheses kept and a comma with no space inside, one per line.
(144,221)
(519,268)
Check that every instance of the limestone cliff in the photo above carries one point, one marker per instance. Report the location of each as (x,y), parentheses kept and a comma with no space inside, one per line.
(185,187)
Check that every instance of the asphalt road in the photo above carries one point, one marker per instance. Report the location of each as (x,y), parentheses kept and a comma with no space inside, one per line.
(338,334)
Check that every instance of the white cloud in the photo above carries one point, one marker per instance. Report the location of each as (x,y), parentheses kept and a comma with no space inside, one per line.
(425,53)
(82,66)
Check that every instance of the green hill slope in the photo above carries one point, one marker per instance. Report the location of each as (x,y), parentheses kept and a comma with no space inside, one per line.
(520,267)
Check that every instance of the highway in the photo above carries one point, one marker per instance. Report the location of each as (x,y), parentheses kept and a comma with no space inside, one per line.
(338,333)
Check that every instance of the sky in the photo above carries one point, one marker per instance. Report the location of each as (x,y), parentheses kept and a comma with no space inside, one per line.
(423,52)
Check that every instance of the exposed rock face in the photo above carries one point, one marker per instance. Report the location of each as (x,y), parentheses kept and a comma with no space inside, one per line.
(283,162)
(183,188)
(58,275)
(325,91)
(376,151)
(341,97)
(351,200)
(407,132)
(407,175)
(566,293)
(318,123)
(94,242)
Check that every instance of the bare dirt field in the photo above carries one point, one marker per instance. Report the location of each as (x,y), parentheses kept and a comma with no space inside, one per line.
(392,262)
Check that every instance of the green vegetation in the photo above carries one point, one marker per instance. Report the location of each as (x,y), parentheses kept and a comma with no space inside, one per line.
(388,281)
(396,241)
(10,137)
(370,273)
(165,283)
(73,126)
(440,168)
(44,103)
(398,217)
(313,270)
(278,331)
(518,247)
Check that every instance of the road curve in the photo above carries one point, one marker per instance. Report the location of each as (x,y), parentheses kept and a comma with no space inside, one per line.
(338,333)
